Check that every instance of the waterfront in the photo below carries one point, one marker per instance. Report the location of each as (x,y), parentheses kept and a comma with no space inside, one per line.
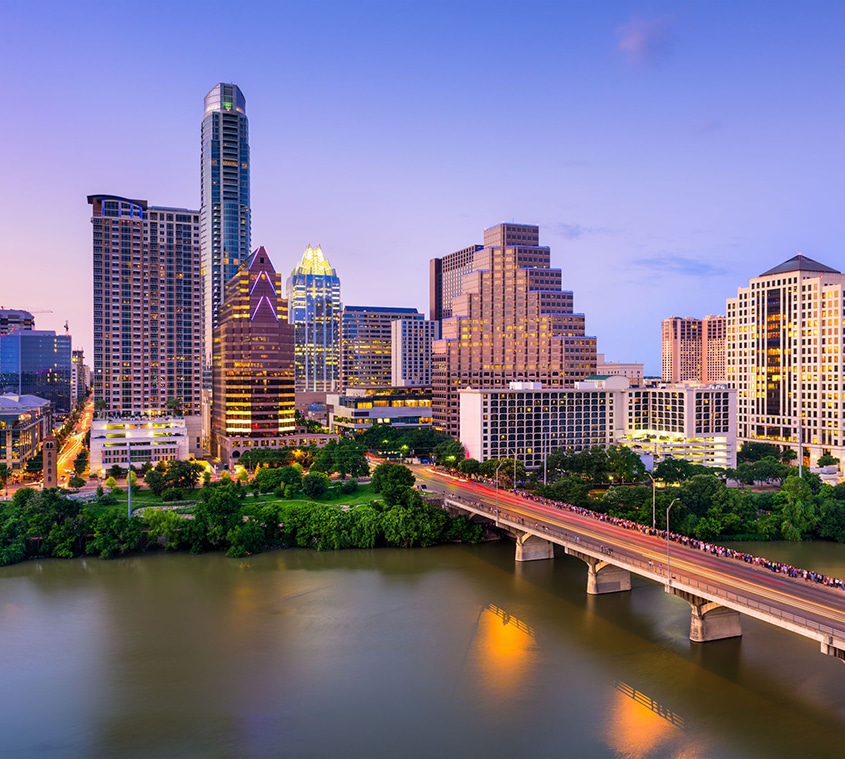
(448,652)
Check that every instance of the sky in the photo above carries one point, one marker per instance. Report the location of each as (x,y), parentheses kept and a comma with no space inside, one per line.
(668,151)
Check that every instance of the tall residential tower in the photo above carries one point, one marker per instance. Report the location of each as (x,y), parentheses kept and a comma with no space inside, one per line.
(225,223)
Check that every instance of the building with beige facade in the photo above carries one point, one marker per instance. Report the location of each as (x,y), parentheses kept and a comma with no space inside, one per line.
(693,350)
(784,356)
(410,348)
(634,372)
(511,322)
(528,421)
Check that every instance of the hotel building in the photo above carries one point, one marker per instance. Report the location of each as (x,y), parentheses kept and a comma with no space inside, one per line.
(784,356)
(693,350)
(511,322)
(410,346)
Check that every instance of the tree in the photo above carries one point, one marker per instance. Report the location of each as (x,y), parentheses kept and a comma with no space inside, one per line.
(827,459)
(155,482)
(35,464)
(469,467)
(115,534)
(174,406)
(344,456)
(671,469)
(797,507)
(164,527)
(624,465)
(184,475)
(415,522)
(752,451)
(449,453)
(391,481)
(315,484)
(80,463)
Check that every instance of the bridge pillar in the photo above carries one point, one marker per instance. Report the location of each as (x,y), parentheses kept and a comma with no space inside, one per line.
(709,620)
(531,548)
(603,577)
(832,647)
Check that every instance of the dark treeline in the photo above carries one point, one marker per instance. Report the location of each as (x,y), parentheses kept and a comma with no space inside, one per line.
(46,523)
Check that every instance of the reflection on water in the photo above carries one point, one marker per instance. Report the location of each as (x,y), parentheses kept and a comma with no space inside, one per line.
(449,652)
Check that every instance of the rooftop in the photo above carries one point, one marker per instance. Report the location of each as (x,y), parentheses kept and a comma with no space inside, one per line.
(800,263)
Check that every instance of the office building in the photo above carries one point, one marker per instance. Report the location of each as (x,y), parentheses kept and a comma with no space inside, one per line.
(528,421)
(511,322)
(25,420)
(445,276)
(410,341)
(14,318)
(225,216)
(37,362)
(358,409)
(634,372)
(147,311)
(365,344)
(693,350)
(784,356)
(313,292)
(137,441)
(253,367)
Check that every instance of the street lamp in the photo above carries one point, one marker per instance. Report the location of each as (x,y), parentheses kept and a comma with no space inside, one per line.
(668,566)
(498,467)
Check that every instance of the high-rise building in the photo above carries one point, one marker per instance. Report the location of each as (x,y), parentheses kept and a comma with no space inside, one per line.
(13,318)
(225,219)
(147,310)
(313,292)
(78,388)
(253,391)
(693,350)
(511,322)
(445,275)
(410,348)
(365,344)
(784,355)
(37,362)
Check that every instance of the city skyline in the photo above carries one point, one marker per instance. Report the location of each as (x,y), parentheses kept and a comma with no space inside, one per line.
(668,154)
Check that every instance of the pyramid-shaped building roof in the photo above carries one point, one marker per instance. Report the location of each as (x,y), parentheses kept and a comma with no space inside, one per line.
(800,263)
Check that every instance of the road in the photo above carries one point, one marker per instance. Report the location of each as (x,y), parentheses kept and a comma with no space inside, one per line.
(74,443)
(796,601)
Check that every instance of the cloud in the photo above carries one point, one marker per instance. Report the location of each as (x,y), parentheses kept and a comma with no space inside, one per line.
(574,231)
(680,265)
(644,41)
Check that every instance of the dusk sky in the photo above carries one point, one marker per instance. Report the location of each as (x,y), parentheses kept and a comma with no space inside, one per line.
(668,151)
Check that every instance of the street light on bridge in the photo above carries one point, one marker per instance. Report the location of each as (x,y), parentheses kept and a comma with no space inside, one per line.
(668,565)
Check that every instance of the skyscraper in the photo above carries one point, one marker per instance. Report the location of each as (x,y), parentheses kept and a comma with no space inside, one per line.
(253,393)
(511,322)
(410,348)
(37,362)
(313,291)
(147,310)
(693,350)
(225,221)
(784,355)
(365,344)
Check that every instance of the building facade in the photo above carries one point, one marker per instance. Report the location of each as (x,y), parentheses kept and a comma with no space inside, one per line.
(225,216)
(125,440)
(784,356)
(410,347)
(693,350)
(25,420)
(313,292)
(529,421)
(358,410)
(634,372)
(253,390)
(147,311)
(445,276)
(366,344)
(511,322)
(14,318)
(37,362)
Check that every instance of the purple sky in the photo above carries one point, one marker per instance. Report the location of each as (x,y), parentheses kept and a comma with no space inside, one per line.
(668,151)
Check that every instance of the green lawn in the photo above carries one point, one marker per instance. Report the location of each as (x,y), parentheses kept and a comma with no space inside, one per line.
(364,494)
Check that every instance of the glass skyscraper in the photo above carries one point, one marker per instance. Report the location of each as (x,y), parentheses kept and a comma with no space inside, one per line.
(224,211)
(37,362)
(313,292)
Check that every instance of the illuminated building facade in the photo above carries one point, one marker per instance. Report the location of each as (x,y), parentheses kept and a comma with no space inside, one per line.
(37,363)
(126,440)
(511,322)
(528,421)
(147,311)
(366,344)
(358,409)
(634,372)
(410,341)
(14,318)
(313,292)
(445,275)
(253,367)
(784,356)
(693,350)
(225,217)
(25,420)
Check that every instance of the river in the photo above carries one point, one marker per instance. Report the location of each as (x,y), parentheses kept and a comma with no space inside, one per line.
(453,651)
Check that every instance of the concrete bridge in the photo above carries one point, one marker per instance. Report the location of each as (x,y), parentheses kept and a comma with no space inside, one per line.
(718,590)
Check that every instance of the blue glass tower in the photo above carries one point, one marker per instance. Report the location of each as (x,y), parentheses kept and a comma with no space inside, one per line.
(314,308)
(37,362)
(225,223)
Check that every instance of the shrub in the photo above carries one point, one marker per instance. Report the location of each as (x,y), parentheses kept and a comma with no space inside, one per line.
(172,494)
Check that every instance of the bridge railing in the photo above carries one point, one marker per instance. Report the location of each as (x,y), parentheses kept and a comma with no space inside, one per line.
(625,559)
